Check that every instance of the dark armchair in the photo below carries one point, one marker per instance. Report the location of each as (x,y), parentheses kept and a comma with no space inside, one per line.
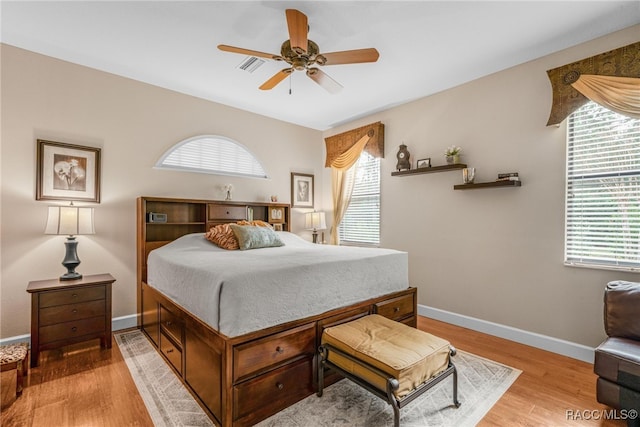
(617,361)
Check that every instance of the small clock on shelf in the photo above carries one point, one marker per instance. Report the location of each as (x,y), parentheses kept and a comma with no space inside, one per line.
(403,158)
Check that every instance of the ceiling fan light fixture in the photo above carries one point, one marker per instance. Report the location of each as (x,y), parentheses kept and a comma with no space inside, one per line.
(299,64)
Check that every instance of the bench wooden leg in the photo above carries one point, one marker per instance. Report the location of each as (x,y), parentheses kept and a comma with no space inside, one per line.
(19,379)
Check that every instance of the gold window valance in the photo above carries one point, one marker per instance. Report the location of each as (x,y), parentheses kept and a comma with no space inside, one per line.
(574,84)
(372,136)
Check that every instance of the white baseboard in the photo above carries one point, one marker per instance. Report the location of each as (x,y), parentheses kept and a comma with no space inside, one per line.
(117,323)
(16,339)
(124,322)
(544,342)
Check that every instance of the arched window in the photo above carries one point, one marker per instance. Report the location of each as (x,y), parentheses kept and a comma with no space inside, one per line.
(212,154)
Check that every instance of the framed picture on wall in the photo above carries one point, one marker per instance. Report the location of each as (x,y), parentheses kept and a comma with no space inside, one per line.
(276,214)
(277,227)
(67,172)
(301,190)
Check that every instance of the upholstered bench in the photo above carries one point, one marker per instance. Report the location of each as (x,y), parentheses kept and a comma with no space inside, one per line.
(392,360)
(14,356)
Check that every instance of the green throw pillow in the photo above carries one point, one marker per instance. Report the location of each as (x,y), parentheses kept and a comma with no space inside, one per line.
(250,237)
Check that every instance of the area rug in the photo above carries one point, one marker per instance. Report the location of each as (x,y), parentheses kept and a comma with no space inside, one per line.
(481,382)
(167,400)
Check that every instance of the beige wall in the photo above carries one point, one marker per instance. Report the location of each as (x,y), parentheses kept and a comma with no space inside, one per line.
(492,254)
(133,123)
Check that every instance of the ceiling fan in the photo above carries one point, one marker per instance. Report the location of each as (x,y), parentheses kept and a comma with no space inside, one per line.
(304,54)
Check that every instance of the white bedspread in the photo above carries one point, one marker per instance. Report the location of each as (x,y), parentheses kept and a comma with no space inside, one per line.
(237,292)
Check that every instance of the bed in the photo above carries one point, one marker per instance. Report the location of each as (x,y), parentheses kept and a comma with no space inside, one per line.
(242,328)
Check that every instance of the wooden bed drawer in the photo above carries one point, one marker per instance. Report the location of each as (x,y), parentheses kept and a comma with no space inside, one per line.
(172,352)
(171,324)
(255,356)
(72,296)
(226,213)
(71,330)
(267,394)
(69,312)
(396,308)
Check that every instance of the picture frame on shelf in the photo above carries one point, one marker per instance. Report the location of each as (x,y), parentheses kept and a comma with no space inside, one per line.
(277,227)
(276,214)
(67,172)
(302,192)
(423,163)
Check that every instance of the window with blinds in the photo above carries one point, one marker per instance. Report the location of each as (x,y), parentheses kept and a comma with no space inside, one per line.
(603,190)
(212,154)
(361,222)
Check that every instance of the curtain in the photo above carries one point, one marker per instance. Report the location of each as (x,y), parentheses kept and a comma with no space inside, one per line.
(612,79)
(343,172)
(342,181)
(619,94)
(343,152)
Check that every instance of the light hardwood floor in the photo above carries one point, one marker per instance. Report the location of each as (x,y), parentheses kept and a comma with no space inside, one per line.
(83,385)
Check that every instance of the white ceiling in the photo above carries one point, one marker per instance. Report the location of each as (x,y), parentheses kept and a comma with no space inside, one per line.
(425,46)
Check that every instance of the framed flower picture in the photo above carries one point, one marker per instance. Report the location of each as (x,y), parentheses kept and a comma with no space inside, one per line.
(301,190)
(67,172)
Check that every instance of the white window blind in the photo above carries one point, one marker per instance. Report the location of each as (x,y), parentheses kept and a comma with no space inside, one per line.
(361,222)
(212,154)
(603,190)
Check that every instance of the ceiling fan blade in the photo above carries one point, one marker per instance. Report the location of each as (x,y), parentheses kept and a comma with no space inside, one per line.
(234,49)
(348,57)
(324,80)
(298,30)
(277,78)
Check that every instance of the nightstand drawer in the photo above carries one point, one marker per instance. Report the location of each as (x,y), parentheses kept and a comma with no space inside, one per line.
(70,312)
(67,330)
(396,308)
(72,296)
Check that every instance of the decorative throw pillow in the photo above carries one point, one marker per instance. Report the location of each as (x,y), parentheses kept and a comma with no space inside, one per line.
(256,223)
(223,236)
(252,237)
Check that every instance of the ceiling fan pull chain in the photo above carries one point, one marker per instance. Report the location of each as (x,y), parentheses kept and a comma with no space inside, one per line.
(290,83)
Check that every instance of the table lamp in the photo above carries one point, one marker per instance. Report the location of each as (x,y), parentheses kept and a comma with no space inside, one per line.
(315,221)
(70,220)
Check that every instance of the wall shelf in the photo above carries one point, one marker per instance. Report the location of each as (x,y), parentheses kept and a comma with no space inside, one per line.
(487,185)
(432,169)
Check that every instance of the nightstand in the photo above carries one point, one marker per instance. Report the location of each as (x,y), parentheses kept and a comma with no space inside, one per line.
(71,311)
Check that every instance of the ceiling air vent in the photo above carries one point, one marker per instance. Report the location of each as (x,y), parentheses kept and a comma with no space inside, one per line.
(251,64)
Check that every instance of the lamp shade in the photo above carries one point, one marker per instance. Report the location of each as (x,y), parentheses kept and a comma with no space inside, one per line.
(69,220)
(315,221)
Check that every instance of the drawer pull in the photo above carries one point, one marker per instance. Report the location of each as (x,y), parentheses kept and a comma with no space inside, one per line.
(280,386)
(170,351)
(74,295)
(74,329)
(168,323)
(396,309)
(75,310)
(279,350)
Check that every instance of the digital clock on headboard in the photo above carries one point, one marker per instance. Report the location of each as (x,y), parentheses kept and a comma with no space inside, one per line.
(156,217)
